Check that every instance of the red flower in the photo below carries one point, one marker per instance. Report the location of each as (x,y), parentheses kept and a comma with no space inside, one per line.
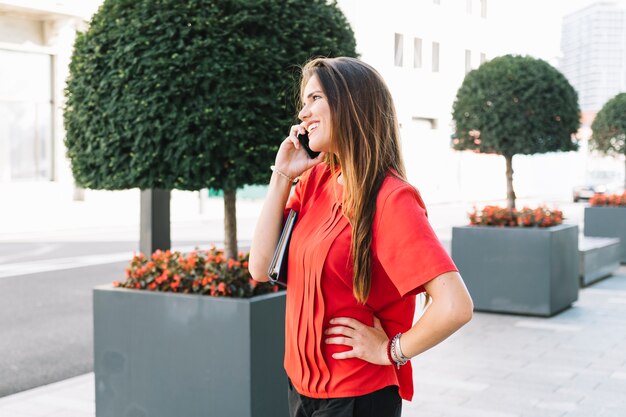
(200,272)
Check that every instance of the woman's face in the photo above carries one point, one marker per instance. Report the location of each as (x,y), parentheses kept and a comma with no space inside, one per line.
(315,115)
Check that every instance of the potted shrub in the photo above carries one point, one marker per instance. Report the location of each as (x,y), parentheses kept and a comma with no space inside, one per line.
(606,217)
(518,261)
(189,335)
(515,105)
(609,129)
(190,95)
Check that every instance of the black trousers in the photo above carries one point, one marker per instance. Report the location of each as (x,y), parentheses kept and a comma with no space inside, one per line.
(385,402)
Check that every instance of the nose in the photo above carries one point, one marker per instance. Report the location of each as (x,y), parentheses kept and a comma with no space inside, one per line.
(304,113)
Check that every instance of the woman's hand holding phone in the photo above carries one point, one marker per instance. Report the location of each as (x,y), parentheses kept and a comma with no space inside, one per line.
(292,158)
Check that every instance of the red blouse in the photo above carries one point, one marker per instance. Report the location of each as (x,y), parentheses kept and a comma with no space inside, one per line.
(406,254)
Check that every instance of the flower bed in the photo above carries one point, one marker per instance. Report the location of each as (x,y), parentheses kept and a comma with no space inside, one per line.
(613,200)
(526,217)
(200,272)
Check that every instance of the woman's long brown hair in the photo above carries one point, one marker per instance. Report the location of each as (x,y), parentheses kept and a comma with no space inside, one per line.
(365,145)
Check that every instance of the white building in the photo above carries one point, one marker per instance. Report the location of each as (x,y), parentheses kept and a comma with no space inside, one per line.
(36,38)
(593,45)
(423,49)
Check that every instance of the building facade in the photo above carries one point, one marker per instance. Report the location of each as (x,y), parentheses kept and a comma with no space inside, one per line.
(422,49)
(36,39)
(593,45)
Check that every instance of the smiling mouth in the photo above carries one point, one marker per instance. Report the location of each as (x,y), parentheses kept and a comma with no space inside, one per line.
(312,127)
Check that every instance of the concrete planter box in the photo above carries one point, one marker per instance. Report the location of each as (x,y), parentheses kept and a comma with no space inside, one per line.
(599,258)
(607,222)
(533,271)
(164,355)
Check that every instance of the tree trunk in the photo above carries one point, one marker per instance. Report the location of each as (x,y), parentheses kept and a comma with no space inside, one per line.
(154,231)
(230,223)
(510,193)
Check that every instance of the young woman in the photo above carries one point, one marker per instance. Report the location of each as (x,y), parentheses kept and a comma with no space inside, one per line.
(361,250)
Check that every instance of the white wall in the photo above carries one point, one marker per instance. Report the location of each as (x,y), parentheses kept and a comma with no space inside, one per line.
(440,173)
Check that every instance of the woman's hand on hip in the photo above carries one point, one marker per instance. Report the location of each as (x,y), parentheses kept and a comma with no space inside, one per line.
(368,343)
(291,158)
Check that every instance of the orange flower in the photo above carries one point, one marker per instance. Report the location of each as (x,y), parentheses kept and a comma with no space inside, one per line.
(199,272)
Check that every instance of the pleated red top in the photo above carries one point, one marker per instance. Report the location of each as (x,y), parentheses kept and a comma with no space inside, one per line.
(406,254)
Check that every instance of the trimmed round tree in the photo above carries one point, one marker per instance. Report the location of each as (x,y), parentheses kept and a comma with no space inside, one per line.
(194,94)
(515,105)
(609,128)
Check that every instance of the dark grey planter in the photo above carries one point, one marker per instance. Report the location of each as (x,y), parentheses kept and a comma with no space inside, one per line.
(164,355)
(531,271)
(607,222)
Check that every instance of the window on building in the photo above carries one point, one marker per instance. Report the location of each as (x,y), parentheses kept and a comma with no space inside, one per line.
(425,123)
(417,53)
(483,9)
(399,49)
(483,57)
(468,61)
(468,6)
(25,116)
(435,61)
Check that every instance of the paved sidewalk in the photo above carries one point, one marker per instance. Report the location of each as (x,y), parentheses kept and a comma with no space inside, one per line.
(570,365)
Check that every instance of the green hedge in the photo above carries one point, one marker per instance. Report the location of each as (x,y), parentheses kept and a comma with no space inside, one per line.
(519,104)
(609,127)
(190,94)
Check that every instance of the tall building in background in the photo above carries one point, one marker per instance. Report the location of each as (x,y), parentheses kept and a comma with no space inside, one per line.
(593,46)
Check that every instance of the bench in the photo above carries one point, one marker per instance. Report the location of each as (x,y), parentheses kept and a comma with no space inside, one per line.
(599,258)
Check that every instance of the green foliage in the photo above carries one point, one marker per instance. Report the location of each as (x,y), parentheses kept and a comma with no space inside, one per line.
(609,127)
(190,94)
(515,105)
(199,272)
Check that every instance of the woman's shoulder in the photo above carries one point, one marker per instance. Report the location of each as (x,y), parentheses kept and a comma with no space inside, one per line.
(394,191)
(393,184)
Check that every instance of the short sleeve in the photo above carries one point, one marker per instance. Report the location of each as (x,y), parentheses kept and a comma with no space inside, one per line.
(405,243)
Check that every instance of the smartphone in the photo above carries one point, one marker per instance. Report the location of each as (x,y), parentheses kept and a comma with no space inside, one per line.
(304,141)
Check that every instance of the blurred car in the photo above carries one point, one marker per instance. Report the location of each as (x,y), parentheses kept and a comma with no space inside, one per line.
(599,182)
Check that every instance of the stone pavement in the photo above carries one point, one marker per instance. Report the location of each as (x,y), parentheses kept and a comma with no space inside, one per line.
(570,365)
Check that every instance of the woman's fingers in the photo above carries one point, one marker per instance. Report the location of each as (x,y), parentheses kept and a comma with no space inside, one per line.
(342,340)
(345,355)
(348,322)
(347,331)
(294,132)
(367,342)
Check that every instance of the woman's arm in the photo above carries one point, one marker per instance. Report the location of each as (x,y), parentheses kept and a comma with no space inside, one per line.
(450,309)
(291,161)
(268,227)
